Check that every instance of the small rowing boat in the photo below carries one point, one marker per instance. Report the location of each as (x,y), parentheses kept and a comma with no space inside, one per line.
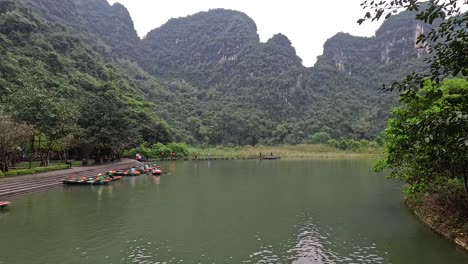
(85,181)
(157,171)
(4,204)
(115,178)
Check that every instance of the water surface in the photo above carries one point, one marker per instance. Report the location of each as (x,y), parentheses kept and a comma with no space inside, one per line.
(225,212)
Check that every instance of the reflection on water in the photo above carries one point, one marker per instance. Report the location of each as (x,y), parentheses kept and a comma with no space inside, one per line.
(232,212)
(319,246)
(315,245)
(157,180)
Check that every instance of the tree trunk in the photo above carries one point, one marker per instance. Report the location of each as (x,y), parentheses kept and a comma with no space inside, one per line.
(465,177)
(97,157)
(31,153)
(4,163)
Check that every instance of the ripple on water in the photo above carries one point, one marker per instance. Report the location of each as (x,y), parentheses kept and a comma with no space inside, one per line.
(313,245)
(150,252)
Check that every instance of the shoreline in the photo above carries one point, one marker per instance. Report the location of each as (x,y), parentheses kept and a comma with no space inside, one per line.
(316,156)
(460,240)
(12,186)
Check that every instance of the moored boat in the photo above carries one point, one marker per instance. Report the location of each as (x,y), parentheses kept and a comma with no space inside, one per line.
(118,172)
(115,178)
(157,171)
(4,204)
(85,181)
(131,172)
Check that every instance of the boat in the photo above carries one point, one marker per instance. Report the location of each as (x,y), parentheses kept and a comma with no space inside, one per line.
(129,173)
(157,171)
(111,176)
(270,158)
(84,181)
(115,178)
(4,204)
(118,172)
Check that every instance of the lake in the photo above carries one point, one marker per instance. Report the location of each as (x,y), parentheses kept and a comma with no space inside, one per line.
(279,211)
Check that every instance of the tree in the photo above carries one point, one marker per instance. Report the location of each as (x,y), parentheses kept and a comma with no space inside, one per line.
(52,116)
(319,138)
(181,149)
(447,42)
(107,124)
(13,137)
(427,138)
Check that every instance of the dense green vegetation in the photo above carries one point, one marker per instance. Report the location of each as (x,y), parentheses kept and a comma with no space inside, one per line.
(78,77)
(242,91)
(427,147)
(215,83)
(426,138)
(65,93)
(159,150)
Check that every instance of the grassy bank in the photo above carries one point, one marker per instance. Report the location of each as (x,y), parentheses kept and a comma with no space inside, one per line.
(17,172)
(304,151)
(22,168)
(445,211)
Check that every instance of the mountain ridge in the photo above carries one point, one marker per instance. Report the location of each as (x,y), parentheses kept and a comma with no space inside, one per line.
(214,68)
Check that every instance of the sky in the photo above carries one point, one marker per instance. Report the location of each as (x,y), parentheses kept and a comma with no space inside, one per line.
(307,23)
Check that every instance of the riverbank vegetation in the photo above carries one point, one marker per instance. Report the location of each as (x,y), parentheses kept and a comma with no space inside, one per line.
(426,139)
(301,151)
(333,149)
(427,147)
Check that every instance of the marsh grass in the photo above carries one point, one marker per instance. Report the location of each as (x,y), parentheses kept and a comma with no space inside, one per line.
(303,151)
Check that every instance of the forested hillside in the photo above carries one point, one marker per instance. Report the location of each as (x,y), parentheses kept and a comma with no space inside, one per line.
(66,93)
(261,92)
(214,82)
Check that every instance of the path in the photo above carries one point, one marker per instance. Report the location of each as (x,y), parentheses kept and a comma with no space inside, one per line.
(41,181)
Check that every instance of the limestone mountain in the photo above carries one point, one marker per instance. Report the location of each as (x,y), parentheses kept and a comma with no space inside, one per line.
(215,82)
(108,28)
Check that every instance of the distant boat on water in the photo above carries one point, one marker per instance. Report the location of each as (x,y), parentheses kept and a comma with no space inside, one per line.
(270,157)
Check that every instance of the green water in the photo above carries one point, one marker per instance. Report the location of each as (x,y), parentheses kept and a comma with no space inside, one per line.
(225,212)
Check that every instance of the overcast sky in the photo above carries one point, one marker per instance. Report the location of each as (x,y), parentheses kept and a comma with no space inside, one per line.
(308,24)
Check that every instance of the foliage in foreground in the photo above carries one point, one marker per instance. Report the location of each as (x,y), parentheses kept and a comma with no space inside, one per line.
(427,137)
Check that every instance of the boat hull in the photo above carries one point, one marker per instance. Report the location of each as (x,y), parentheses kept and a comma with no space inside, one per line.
(4,204)
(88,182)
